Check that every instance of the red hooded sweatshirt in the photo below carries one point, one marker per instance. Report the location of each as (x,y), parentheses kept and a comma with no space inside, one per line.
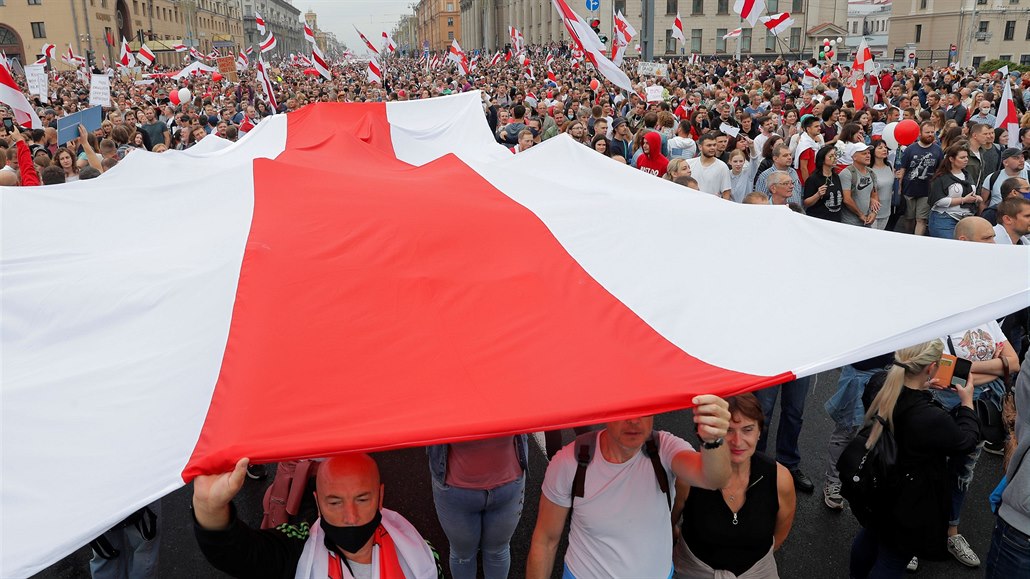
(654,162)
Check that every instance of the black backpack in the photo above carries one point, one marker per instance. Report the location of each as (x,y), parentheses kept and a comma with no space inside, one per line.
(585,445)
(869,477)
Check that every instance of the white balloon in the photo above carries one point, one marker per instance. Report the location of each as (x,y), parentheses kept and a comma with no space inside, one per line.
(888,135)
(839,40)
(185,95)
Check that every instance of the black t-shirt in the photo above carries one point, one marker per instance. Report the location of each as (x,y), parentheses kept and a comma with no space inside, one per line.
(829,207)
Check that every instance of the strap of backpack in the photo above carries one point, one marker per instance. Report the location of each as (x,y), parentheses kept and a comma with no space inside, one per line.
(651,447)
(585,444)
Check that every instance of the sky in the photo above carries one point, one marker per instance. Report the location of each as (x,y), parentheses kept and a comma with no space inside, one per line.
(371,17)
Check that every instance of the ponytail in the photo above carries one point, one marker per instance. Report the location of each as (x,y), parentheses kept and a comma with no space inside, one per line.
(911,360)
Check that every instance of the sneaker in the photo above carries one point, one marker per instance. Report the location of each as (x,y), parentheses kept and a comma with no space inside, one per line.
(256,472)
(801,481)
(913,565)
(959,547)
(997,448)
(831,496)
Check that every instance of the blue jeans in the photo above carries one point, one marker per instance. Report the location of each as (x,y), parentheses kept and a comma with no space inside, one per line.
(1010,553)
(872,559)
(942,226)
(792,410)
(477,520)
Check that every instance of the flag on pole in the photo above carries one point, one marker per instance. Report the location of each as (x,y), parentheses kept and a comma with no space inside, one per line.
(374,73)
(309,35)
(551,260)
(456,55)
(259,22)
(517,40)
(269,44)
(677,28)
(777,23)
(180,48)
(319,63)
(12,96)
(246,125)
(370,46)
(388,43)
(266,83)
(624,33)
(856,84)
(593,50)
(125,58)
(1008,117)
(145,55)
(750,10)
(48,50)
(735,33)
(496,58)
(242,62)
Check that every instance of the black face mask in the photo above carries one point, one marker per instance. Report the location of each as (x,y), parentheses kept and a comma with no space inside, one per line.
(350,539)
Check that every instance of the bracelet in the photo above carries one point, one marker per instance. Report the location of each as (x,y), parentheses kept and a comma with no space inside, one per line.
(713,444)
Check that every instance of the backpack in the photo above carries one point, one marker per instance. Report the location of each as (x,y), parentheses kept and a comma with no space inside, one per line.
(288,504)
(874,194)
(868,477)
(585,445)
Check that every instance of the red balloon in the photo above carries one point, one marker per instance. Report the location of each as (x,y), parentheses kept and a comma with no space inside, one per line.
(217,77)
(906,132)
(594,84)
(174,97)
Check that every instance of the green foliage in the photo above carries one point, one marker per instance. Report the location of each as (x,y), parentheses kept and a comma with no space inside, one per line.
(993,65)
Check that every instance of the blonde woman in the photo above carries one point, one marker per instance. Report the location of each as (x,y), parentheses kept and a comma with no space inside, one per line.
(677,168)
(914,522)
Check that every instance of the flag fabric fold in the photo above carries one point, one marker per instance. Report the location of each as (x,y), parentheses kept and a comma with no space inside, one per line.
(12,96)
(677,28)
(593,50)
(777,23)
(750,10)
(370,46)
(269,43)
(1008,117)
(583,285)
(145,56)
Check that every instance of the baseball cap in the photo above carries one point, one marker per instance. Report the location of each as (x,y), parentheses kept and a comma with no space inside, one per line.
(858,147)
(1011,152)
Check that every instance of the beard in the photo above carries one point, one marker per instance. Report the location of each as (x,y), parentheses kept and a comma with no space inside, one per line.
(926,141)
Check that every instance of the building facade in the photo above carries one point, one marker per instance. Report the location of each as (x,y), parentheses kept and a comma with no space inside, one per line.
(869,21)
(281,18)
(94,28)
(485,25)
(406,36)
(438,22)
(964,31)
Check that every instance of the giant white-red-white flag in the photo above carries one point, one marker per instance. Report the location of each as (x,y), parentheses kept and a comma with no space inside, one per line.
(749,10)
(1008,116)
(593,50)
(12,96)
(583,286)
(677,28)
(777,23)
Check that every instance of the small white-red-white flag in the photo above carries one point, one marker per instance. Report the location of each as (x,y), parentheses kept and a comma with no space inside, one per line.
(246,124)
(259,22)
(677,28)
(456,55)
(266,83)
(48,50)
(735,33)
(269,44)
(367,43)
(497,58)
(145,55)
(586,40)
(1008,117)
(388,43)
(517,39)
(749,10)
(12,96)
(777,23)
(375,74)
(309,35)
(319,63)
(180,47)
(242,62)
(125,58)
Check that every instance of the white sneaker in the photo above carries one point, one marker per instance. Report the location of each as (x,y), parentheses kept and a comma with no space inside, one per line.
(913,565)
(959,547)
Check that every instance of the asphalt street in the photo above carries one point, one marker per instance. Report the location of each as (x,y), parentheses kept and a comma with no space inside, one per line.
(818,545)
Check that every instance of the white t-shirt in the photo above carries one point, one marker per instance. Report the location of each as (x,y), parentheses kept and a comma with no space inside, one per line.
(977,344)
(713,179)
(620,526)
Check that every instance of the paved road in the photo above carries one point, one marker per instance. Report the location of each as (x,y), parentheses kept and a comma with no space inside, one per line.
(817,547)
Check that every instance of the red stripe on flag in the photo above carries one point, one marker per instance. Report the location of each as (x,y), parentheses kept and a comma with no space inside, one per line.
(379,306)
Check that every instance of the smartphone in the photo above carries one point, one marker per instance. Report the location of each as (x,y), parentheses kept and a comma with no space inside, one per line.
(9,124)
(961,374)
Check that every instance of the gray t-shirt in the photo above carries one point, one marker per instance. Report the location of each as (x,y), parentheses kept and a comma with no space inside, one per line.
(884,190)
(860,193)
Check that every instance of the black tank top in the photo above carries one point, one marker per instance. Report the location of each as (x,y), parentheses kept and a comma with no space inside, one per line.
(708,527)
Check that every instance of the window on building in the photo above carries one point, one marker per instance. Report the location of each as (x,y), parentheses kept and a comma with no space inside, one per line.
(723,7)
(1006,57)
(697,7)
(919,32)
(1010,29)
(695,40)
(922,4)
(981,1)
(670,42)
(103,3)
(1028,30)
(450,22)
(1024,60)
(984,25)
(671,7)
(795,38)
(770,42)
(745,40)
(35,2)
(450,36)
(797,6)
(977,60)
(720,42)
(773,6)
(38,30)
(450,6)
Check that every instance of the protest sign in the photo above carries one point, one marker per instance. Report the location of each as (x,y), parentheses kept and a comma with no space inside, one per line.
(728,129)
(227,66)
(654,94)
(100,90)
(652,68)
(35,75)
(68,126)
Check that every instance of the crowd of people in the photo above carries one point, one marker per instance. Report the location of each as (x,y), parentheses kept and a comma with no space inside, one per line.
(638,502)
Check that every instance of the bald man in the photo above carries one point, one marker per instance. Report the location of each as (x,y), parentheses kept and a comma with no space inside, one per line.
(974,228)
(353,537)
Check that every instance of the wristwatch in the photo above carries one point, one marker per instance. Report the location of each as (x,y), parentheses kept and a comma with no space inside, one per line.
(713,444)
